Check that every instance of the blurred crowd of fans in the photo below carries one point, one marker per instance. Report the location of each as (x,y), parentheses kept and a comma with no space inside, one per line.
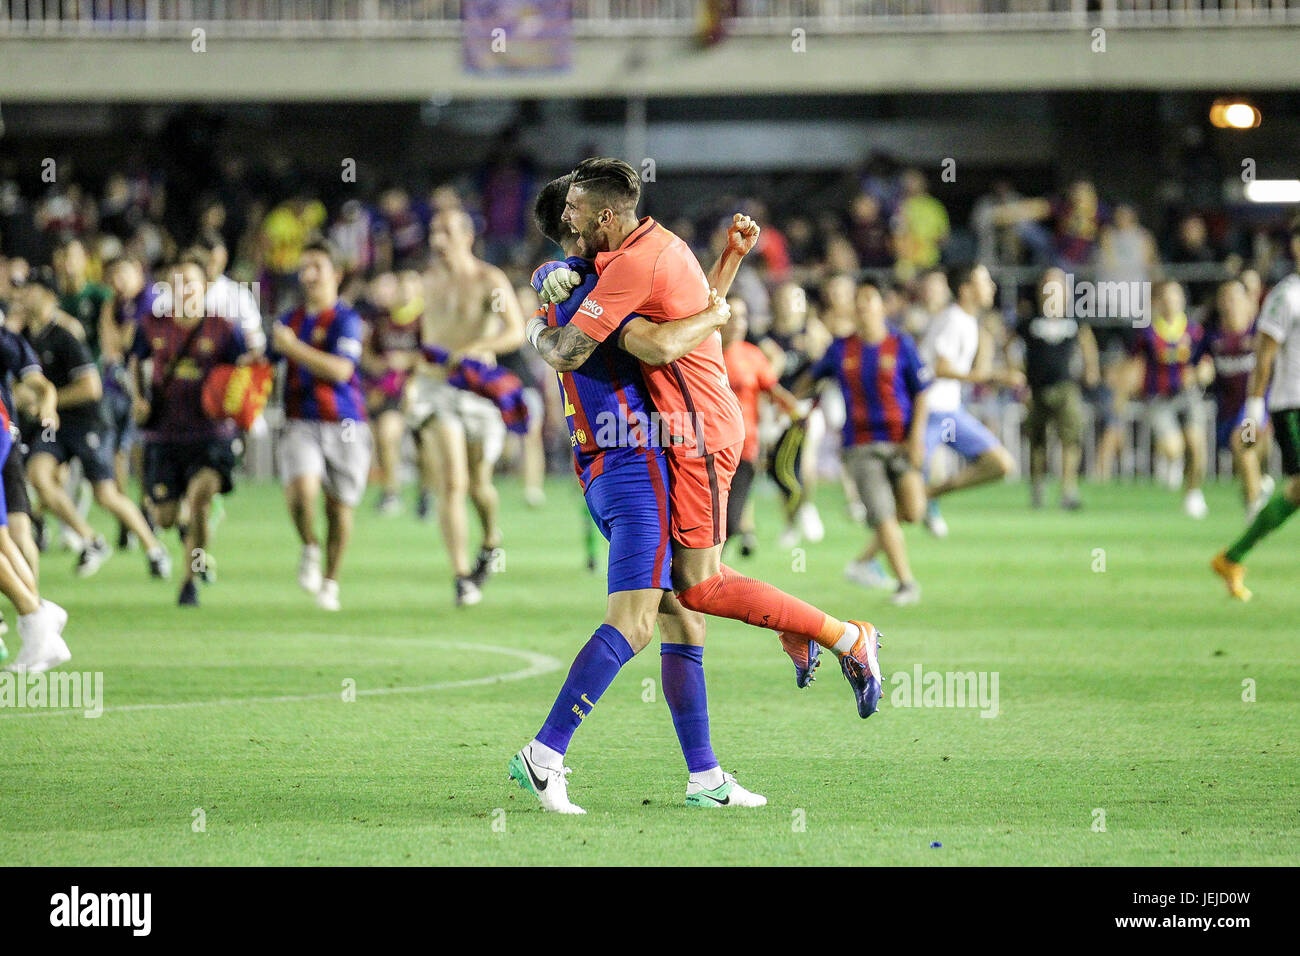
(889,223)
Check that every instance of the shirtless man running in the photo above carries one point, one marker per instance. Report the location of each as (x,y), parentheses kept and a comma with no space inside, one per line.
(472,312)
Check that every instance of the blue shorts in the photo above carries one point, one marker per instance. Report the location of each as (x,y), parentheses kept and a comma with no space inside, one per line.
(628,500)
(1225,426)
(959,430)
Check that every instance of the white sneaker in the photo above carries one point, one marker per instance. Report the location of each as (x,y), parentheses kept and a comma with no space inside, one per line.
(547,784)
(869,574)
(327,598)
(309,577)
(909,593)
(728,794)
(934,522)
(1194,505)
(69,540)
(790,538)
(534,497)
(57,614)
(810,523)
(42,648)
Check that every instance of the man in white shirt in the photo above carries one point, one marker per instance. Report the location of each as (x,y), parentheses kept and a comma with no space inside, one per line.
(232,300)
(1277,362)
(952,349)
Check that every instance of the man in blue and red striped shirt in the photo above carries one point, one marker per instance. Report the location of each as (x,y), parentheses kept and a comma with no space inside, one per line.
(883,380)
(326,444)
(1165,358)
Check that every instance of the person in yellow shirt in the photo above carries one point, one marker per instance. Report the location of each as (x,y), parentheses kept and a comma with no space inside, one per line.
(920,227)
(285,230)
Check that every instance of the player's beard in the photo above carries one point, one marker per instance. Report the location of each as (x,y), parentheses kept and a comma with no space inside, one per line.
(589,236)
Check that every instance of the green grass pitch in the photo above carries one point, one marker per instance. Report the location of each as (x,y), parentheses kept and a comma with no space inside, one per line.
(226,738)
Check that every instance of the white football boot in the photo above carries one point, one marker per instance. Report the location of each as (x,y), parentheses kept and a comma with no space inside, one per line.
(547,784)
(728,794)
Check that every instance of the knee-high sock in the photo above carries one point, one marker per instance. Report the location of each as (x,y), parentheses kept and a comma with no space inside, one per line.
(593,670)
(1270,517)
(730,594)
(682,672)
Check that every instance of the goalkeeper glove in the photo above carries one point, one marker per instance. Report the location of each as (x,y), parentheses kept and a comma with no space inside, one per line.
(553,281)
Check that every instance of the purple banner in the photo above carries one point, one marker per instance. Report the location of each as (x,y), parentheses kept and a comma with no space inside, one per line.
(517,36)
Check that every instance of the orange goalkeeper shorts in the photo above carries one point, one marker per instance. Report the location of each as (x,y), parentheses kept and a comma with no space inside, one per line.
(699,487)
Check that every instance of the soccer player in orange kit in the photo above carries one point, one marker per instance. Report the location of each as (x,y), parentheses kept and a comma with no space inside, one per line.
(647,270)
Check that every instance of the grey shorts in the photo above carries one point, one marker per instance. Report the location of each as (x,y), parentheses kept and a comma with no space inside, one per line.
(875,469)
(336,452)
(428,398)
(1177,413)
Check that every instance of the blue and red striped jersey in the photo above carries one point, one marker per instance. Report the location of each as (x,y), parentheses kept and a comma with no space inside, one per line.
(879,382)
(605,401)
(336,330)
(1168,350)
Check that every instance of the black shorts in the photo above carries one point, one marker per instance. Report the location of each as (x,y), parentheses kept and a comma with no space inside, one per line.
(1286,428)
(170,465)
(92,445)
(15,483)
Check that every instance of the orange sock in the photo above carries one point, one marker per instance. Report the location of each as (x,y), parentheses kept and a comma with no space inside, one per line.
(731,594)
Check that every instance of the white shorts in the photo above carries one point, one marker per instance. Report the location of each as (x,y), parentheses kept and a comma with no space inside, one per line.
(428,398)
(336,452)
(1172,414)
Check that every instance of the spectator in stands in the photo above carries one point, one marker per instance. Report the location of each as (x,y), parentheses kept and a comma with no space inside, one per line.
(1192,246)
(401,232)
(506,184)
(920,228)
(869,233)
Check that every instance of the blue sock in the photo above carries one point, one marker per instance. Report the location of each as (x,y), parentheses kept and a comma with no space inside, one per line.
(593,670)
(682,672)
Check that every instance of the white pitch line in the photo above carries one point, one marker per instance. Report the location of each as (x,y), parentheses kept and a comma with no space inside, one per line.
(538,664)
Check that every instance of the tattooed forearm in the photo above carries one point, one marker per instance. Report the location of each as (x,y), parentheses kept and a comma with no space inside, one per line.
(566,347)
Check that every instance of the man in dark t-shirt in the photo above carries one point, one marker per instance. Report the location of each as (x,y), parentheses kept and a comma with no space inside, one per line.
(82,433)
(1051,339)
(188,457)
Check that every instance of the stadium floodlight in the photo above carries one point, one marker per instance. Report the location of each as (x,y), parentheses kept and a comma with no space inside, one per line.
(1234,114)
(1273,191)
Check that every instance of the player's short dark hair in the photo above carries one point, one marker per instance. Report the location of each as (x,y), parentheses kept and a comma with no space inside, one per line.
(960,276)
(326,248)
(610,181)
(549,207)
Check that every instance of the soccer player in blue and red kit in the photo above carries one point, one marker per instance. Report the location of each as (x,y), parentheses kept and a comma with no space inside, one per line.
(326,443)
(883,380)
(624,476)
(1171,384)
(1231,346)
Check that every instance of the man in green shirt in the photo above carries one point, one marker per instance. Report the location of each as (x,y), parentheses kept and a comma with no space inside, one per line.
(78,296)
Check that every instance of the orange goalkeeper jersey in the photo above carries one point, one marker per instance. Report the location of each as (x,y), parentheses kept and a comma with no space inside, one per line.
(655,274)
